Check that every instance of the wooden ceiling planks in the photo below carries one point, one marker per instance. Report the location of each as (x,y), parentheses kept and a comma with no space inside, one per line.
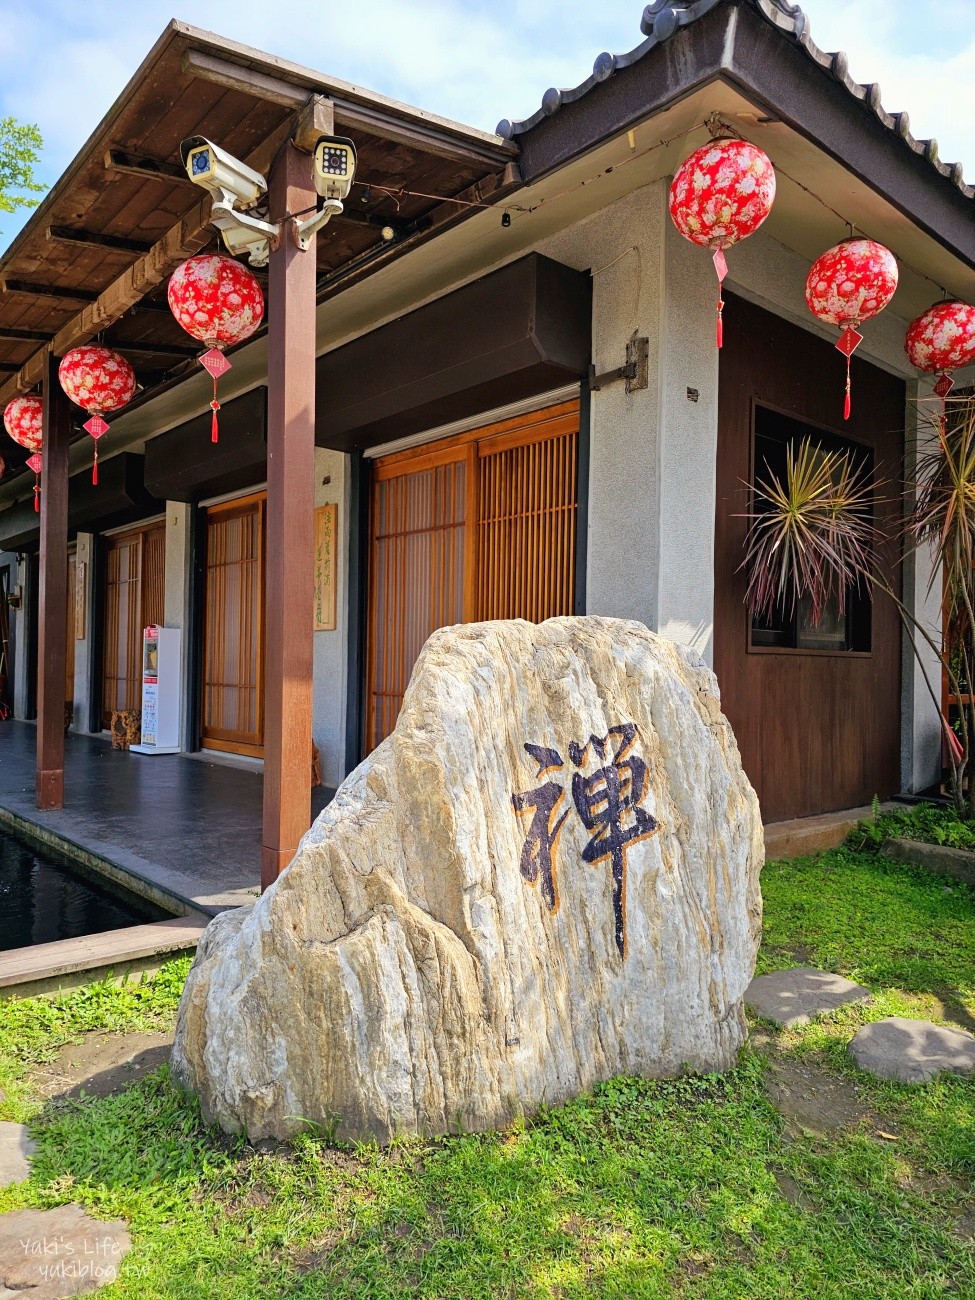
(165,102)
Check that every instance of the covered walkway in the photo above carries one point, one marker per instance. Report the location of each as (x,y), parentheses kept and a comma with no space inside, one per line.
(187,827)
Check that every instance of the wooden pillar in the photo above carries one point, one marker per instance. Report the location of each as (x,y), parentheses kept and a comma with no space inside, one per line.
(289,613)
(52,630)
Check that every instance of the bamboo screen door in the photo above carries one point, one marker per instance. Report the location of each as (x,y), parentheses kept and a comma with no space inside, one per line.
(481,526)
(135,567)
(233,655)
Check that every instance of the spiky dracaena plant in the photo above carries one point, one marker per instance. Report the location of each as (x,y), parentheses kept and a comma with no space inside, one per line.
(811,534)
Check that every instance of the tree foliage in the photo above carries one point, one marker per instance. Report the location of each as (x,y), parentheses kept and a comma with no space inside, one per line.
(20,148)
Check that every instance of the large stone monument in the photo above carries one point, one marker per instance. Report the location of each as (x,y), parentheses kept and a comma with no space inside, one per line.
(547,876)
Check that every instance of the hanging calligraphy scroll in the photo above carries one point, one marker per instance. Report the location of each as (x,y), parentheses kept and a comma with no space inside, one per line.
(326,525)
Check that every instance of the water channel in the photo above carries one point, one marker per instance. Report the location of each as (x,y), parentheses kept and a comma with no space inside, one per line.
(44,897)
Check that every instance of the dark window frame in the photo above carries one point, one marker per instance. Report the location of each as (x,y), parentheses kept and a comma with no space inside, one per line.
(859,619)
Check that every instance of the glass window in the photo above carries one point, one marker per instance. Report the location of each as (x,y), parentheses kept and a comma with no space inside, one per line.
(794,629)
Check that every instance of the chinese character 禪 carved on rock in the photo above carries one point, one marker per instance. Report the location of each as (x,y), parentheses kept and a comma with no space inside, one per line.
(608,802)
(537,855)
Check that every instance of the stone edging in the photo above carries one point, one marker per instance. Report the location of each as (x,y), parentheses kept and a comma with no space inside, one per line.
(957,864)
(92,865)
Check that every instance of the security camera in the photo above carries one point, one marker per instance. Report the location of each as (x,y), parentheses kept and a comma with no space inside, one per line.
(333,170)
(225,176)
(335,160)
(234,186)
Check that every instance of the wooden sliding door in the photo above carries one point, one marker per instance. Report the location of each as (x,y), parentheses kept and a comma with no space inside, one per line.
(482,526)
(233,654)
(135,569)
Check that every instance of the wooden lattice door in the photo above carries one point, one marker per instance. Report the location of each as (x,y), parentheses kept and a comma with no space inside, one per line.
(135,578)
(233,657)
(482,526)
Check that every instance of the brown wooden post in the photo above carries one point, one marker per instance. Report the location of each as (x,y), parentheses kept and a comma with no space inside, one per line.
(289,613)
(52,616)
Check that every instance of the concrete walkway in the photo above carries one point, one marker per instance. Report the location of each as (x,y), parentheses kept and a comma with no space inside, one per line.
(183,830)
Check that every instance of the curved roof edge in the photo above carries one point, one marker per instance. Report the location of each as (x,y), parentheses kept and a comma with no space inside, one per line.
(662,18)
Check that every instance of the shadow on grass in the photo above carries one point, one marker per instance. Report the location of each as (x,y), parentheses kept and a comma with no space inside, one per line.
(638,1189)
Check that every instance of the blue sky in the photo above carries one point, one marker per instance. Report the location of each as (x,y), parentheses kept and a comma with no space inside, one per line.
(63,63)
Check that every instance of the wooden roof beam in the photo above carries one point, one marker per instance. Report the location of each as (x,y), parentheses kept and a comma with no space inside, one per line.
(146,168)
(49,290)
(129,289)
(69,235)
(155,349)
(426,137)
(24,336)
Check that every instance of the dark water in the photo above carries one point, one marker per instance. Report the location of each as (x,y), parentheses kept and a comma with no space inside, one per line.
(42,898)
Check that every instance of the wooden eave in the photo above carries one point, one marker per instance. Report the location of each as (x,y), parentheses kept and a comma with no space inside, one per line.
(93,260)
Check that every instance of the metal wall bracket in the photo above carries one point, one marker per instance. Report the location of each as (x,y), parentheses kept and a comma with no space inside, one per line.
(636,370)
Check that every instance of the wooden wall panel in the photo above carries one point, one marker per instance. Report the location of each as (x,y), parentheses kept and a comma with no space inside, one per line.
(418,543)
(818,731)
(481,526)
(134,599)
(233,656)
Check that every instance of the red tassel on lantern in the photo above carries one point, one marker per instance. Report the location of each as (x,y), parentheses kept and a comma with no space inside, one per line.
(219,302)
(216,364)
(34,463)
(98,380)
(847,285)
(721,194)
(942,339)
(97,427)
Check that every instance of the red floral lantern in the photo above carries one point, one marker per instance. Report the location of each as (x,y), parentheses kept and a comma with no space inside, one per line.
(23,418)
(942,339)
(218,301)
(98,380)
(721,194)
(847,285)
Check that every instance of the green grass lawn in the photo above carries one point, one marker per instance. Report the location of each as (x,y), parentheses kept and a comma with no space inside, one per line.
(692,1187)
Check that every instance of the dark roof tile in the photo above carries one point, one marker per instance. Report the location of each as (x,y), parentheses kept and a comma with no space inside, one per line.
(662,18)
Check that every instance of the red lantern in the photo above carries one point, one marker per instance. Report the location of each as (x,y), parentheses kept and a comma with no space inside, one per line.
(847,285)
(98,380)
(942,339)
(721,194)
(23,418)
(219,302)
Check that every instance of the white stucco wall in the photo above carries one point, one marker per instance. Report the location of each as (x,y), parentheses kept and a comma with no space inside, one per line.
(330,689)
(622,246)
(176,592)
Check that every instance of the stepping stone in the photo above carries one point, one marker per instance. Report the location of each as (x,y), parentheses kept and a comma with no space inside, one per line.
(50,1254)
(16,1148)
(794,997)
(912,1051)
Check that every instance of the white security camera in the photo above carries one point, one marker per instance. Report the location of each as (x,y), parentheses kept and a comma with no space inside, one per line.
(225,176)
(233,185)
(333,170)
(335,160)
